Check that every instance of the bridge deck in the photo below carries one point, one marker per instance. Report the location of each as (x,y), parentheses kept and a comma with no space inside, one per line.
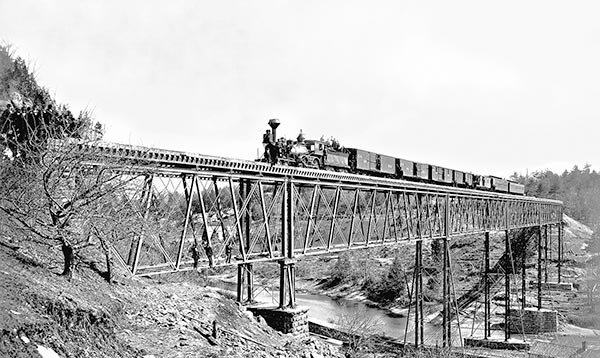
(249,211)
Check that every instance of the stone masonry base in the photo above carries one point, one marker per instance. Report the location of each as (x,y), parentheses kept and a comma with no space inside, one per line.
(532,321)
(289,320)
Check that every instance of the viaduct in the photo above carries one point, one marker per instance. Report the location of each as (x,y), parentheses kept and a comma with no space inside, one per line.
(198,211)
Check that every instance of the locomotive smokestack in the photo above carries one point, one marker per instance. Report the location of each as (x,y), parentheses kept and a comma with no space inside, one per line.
(274,123)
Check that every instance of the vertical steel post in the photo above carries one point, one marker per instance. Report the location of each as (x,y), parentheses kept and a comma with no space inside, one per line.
(560,250)
(283,270)
(290,217)
(248,215)
(219,208)
(539,268)
(245,186)
(284,219)
(546,253)
(282,282)
(291,266)
(524,277)
(421,316)
(292,284)
(486,309)
(507,289)
(417,291)
(250,282)
(446,341)
(240,283)
(445,295)
(287,270)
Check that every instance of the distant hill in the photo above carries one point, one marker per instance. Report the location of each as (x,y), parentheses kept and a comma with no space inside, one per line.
(579,189)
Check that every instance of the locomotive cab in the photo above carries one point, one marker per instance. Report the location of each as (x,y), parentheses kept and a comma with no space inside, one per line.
(315,147)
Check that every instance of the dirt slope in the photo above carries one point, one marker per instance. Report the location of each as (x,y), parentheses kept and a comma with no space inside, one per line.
(131,318)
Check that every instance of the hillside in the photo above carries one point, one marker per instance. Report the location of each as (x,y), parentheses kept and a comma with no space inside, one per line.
(56,296)
(86,317)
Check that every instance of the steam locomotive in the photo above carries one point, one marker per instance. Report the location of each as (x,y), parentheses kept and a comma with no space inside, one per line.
(330,155)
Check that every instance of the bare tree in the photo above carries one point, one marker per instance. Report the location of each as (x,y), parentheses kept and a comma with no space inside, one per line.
(359,328)
(61,193)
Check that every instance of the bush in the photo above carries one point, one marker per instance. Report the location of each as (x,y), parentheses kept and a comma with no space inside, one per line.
(387,288)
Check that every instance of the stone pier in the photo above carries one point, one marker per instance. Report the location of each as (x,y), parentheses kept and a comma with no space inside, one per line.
(533,321)
(552,286)
(289,320)
(511,344)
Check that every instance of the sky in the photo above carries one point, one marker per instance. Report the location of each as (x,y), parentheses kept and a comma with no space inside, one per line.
(481,86)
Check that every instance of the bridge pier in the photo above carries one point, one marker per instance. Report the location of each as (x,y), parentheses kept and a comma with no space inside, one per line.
(524,277)
(539,267)
(245,280)
(560,247)
(418,289)
(486,290)
(533,321)
(546,241)
(446,298)
(287,283)
(507,273)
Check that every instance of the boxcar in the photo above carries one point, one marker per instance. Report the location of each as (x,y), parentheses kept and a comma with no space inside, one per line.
(406,168)
(499,184)
(468,180)
(459,178)
(440,175)
(422,171)
(372,162)
(483,182)
(387,164)
(448,175)
(436,174)
(516,188)
(361,158)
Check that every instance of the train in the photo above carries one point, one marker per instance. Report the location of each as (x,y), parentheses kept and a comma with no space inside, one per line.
(330,155)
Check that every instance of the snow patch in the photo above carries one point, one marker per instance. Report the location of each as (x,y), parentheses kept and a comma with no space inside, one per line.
(47,352)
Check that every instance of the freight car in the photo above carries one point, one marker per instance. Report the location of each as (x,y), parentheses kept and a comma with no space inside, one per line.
(330,155)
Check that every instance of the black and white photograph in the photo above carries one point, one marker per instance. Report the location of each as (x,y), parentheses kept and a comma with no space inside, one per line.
(299,179)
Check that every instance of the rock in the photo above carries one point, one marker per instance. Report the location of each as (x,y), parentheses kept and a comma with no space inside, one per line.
(316,355)
(25,339)
(47,352)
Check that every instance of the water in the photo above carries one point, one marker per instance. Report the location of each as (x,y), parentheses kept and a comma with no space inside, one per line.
(323,309)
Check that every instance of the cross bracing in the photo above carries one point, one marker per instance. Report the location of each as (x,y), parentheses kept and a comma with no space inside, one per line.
(192,211)
(250,212)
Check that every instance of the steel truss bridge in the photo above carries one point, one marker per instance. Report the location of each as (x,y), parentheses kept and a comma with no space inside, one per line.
(197,211)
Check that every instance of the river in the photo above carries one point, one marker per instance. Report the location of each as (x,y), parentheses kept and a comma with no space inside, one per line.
(324,309)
